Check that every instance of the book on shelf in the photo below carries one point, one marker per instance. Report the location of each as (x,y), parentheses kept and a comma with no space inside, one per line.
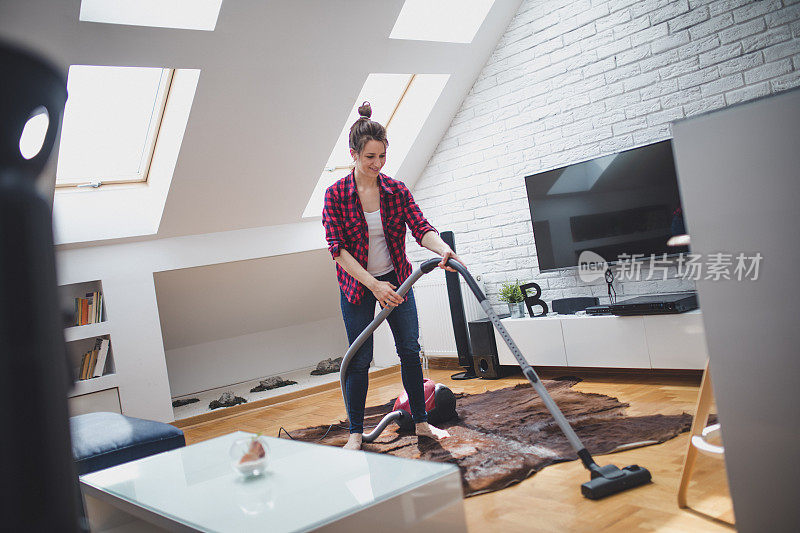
(83,318)
(84,365)
(92,362)
(102,354)
(95,299)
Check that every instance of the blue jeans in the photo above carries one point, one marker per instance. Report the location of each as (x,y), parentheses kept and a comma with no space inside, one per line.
(405,329)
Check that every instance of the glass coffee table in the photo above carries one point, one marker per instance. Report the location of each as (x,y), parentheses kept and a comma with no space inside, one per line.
(307,487)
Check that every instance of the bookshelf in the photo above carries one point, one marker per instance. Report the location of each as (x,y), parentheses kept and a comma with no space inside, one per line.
(99,393)
(69,293)
(88,386)
(76,333)
(75,351)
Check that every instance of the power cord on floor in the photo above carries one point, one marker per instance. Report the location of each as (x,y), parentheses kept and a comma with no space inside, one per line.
(319,439)
(287,433)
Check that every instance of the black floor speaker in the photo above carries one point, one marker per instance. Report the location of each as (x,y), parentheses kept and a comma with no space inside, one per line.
(484,350)
(458,316)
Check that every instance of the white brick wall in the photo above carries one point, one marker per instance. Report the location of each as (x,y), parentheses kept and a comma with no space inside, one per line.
(573,80)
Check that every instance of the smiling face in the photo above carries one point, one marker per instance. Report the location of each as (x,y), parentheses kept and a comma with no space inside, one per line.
(371,159)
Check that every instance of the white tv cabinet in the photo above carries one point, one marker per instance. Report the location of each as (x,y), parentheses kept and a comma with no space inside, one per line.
(674,341)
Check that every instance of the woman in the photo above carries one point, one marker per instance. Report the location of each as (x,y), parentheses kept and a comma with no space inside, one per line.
(365,217)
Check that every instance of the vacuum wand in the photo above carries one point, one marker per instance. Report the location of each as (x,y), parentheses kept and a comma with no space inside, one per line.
(605,480)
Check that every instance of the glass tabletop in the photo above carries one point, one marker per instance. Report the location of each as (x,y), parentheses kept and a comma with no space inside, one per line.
(306,486)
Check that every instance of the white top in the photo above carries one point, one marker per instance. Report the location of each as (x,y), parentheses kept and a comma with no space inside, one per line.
(379,261)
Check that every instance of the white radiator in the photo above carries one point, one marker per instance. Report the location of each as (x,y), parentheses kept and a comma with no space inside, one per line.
(433,307)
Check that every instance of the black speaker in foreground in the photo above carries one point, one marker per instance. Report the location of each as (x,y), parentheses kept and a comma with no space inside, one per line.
(484,349)
(458,316)
(41,484)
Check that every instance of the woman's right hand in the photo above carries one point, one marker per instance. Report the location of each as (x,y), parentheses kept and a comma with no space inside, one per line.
(384,293)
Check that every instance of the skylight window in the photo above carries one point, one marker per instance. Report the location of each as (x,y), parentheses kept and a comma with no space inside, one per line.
(111,122)
(450,21)
(384,92)
(179,14)
(115,212)
(402,103)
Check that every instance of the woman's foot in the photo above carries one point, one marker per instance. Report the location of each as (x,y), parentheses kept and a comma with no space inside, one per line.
(354,442)
(424,429)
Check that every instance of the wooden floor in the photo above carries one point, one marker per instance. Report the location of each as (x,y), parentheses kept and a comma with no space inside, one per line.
(551,499)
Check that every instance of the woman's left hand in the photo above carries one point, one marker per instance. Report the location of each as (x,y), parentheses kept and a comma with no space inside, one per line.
(449,254)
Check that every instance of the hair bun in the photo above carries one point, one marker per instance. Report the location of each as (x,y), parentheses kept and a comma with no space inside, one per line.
(365,110)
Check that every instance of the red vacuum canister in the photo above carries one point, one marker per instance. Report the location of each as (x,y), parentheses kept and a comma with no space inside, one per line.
(429,388)
(440,403)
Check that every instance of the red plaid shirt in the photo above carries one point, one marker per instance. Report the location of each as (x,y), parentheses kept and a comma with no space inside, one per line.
(346,227)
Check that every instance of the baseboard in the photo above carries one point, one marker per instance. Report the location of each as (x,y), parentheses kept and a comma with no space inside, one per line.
(226,412)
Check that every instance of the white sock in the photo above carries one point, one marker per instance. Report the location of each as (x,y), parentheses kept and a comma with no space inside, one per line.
(354,442)
(426,430)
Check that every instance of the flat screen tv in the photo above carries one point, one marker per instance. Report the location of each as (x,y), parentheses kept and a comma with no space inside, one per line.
(623,203)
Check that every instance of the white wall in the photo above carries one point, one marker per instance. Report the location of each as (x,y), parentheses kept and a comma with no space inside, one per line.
(212,302)
(571,81)
(238,321)
(267,353)
(132,312)
(247,357)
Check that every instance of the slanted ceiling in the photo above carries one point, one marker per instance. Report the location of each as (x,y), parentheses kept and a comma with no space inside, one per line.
(278,79)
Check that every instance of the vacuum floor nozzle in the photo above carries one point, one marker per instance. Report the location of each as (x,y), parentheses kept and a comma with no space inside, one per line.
(613,480)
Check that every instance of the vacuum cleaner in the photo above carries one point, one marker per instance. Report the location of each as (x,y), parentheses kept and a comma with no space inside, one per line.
(605,480)
(440,404)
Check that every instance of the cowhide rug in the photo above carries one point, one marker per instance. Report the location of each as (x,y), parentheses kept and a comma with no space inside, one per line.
(503,436)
